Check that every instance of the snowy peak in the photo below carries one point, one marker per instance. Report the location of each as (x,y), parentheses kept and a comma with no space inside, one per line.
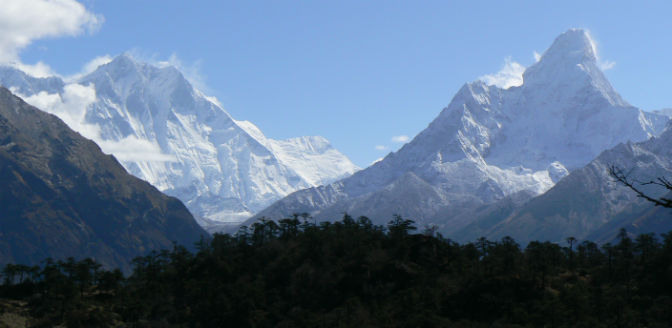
(311,157)
(559,114)
(124,71)
(123,62)
(140,99)
(167,132)
(492,143)
(571,65)
(23,83)
(573,47)
(121,67)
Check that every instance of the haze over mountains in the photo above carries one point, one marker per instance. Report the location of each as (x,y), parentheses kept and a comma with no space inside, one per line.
(168,133)
(491,146)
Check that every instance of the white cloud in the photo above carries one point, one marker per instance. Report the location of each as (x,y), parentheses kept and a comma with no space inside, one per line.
(536,55)
(191,71)
(24,21)
(606,64)
(39,69)
(601,64)
(134,149)
(400,139)
(71,107)
(380,147)
(511,75)
(93,64)
(90,66)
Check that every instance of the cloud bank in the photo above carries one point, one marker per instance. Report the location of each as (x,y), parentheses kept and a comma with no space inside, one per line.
(133,149)
(400,139)
(71,107)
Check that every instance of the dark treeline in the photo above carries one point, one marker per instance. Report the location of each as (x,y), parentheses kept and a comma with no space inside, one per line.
(294,273)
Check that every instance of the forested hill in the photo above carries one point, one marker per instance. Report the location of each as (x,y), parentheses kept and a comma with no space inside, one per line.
(352,273)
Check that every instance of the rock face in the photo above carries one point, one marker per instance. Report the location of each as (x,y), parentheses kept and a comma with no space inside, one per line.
(62,196)
(168,133)
(491,146)
(589,204)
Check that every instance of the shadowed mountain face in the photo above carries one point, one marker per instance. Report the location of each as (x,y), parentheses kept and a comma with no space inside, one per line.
(63,197)
(589,204)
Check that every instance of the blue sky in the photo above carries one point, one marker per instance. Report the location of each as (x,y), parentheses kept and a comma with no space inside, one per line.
(359,73)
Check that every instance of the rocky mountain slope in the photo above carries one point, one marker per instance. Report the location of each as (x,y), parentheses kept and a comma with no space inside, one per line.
(168,133)
(62,196)
(491,146)
(589,203)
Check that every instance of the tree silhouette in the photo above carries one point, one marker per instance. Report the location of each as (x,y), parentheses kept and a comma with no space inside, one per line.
(353,273)
(400,227)
(571,240)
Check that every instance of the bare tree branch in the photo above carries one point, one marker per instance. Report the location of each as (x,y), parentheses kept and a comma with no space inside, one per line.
(624,179)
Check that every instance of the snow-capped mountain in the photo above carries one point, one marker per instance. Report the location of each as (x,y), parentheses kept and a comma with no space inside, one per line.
(168,133)
(27,85)
(491,144)
(589,203)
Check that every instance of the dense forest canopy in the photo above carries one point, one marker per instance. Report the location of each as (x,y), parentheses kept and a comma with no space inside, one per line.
(296,273)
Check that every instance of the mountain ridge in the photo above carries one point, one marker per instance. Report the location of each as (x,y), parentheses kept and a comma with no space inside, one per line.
(167,132)
(64,198)
(490,143)
(589,204)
